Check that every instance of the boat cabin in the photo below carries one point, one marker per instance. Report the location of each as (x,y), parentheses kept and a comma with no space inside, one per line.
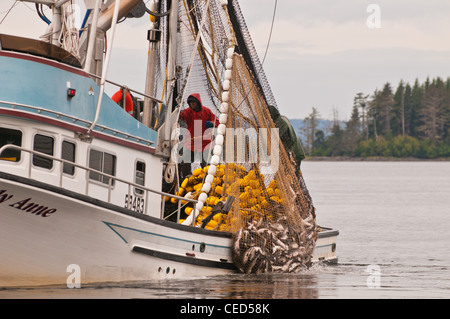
(46,137)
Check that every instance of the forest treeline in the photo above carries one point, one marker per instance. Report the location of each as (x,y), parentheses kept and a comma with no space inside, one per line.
(407,121)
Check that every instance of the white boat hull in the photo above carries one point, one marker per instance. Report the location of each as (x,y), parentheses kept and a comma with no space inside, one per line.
(103,242)
(64,232)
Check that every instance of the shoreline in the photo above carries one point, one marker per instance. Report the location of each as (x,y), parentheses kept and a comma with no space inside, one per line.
(372,159)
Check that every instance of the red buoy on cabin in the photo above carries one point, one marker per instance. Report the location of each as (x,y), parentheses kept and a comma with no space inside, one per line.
(118,97)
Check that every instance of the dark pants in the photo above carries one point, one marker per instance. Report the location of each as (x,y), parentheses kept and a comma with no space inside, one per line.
(185,166)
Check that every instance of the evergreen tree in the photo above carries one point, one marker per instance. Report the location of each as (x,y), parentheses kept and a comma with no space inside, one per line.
(319,139)
(433,117)
(373,114)
(387,101)
(352,132)
(398,111)
(447,111)
(416,107)
(408,109)
(332,146)
(310,126)
(360,101)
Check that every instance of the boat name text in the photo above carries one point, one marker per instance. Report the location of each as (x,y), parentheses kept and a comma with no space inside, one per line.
(26,205)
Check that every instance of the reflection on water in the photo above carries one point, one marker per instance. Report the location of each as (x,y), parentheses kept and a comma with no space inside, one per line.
(346,280)
(232,287)
(264,286)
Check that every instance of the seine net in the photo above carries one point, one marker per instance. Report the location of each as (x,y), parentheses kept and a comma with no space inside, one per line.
(252,186)
(272,217)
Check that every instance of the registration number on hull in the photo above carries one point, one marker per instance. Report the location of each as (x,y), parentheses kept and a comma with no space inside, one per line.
(134,203)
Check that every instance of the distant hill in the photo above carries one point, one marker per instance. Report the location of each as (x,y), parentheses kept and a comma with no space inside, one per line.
(324,125)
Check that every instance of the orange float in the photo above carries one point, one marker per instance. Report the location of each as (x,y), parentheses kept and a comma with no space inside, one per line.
(118,97)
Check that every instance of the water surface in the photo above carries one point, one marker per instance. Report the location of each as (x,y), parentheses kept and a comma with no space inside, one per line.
(393,219)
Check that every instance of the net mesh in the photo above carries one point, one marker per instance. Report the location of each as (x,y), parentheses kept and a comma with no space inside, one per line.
(272,217)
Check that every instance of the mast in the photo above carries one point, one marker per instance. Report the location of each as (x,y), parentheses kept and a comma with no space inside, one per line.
(92,36)
(153,38)
(56,25)
(105,69)
(99,23)
(171,73)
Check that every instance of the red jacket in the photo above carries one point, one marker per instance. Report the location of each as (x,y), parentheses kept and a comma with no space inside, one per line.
(190,117)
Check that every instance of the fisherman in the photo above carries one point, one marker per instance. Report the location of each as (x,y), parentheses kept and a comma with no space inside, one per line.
(198,119)
(287,135)
(293,147)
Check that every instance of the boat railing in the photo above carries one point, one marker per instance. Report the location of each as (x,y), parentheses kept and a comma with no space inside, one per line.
(110,178)
(75,119)
(121,86)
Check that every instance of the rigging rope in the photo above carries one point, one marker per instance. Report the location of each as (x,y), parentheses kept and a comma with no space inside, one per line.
(270,33)
(9,10)
(266,51)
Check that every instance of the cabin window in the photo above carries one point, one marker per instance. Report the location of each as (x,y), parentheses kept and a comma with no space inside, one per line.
(43,144)
(10,136)
(103,162)
(68,153)
(139,177)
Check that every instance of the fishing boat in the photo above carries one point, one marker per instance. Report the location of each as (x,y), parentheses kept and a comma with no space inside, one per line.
(83,180)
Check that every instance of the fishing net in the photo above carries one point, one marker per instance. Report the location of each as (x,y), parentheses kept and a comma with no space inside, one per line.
(272,216)
(252,186)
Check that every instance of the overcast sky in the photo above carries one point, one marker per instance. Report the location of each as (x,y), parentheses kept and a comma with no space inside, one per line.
(321,54)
